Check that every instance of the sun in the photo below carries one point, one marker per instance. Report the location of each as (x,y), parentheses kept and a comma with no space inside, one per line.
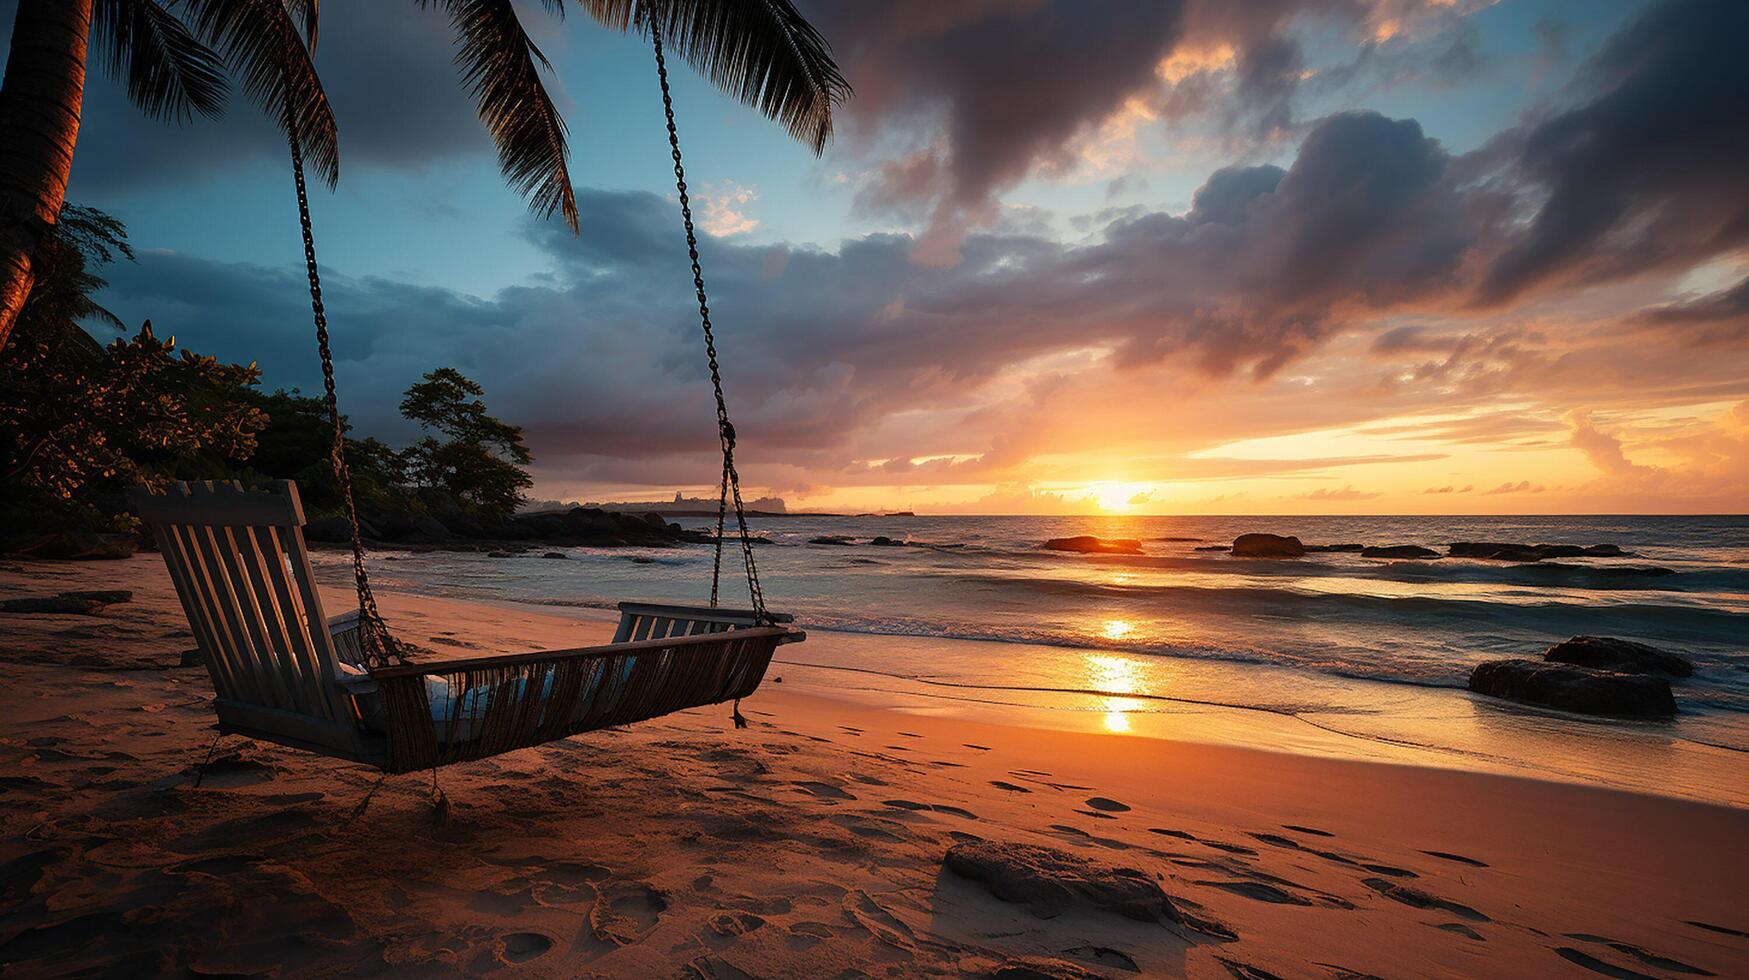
(1120,497)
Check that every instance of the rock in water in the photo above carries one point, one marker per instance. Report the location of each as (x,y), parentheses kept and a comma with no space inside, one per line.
(1089,544)
(833,539)
(1399,551)
(1050,882)
(1577,689)
(1267,546)
(1609,653)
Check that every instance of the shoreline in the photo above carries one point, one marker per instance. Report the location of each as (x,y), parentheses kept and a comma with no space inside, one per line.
(810,843)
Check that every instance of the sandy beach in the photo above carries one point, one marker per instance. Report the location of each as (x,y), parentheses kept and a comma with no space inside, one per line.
(811,843)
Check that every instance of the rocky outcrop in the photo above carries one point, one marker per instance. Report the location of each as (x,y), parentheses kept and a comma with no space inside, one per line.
(1506,551)
(1267,546)
(1088,544)
(67,603)
(1624,656)
(838,540)
(1399,551)
(594,528)
(84,545)
(1577,689)
(1050,882)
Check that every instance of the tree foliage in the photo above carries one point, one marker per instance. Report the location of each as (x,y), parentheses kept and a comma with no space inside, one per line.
(80,421)
(479,460)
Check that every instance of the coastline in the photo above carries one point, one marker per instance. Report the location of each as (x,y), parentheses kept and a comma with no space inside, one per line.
(811,842)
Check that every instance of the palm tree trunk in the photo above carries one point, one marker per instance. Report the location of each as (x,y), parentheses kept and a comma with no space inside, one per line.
(39,125)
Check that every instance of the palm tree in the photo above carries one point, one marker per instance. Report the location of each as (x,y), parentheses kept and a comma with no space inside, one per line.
(761,51)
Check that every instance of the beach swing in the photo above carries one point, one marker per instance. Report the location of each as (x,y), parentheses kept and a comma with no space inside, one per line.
(344,687)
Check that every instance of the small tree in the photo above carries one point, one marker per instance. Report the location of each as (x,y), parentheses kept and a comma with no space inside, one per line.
(479,461)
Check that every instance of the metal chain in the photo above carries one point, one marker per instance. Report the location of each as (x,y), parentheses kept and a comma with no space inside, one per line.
(725,431)
(379,647)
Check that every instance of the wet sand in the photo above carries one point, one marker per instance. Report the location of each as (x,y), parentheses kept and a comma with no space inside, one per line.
(810,844)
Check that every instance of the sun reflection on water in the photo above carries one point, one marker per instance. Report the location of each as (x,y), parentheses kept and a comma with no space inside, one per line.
(1119,675)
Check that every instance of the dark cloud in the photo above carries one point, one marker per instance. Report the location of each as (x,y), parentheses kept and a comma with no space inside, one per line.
(1647,173)
(602,359)
(1008,82)
(1719,319)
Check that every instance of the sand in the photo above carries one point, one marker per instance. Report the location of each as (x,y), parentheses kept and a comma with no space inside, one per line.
(810,844)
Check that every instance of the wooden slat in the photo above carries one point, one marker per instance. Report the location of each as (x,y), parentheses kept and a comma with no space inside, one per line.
(226,649)
(266,580)
(642,630)
(215,554)
(305,576)
(176,562)
(198,504)
(724,613)
(457,664)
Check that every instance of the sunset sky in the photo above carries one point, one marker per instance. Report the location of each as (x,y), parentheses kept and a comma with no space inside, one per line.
(1294,256)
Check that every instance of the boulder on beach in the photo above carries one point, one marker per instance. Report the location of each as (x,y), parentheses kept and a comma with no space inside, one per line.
(1399,551)
(1625,656)
(1050,882)
(1088,544)
(1507,551)
(1577,689)
(1267,546)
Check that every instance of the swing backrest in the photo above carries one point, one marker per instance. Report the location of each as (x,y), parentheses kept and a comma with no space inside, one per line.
(241,569)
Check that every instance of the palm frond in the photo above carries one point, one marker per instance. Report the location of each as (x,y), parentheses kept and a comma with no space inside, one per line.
(762,52)
(262,42)
(306,11)
(502,68)
(170,74)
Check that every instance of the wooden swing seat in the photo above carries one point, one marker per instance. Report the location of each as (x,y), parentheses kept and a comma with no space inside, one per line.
(286,673)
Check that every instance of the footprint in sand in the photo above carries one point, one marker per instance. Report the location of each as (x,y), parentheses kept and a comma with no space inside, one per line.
(1010,787)
(1462,930)
(1258,891)
(823,790)
(520,947)
(1581,958)
(933,807)
(1723,930)
(1115,959)
(1315,832)
(1459,858)
(1422,900)
(626,912)
(1075,835)
(1107,805)
(973,745)
(734,923)
(1645,956)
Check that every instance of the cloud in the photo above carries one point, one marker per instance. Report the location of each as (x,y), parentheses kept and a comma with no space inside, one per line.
(724,209)
(1522,486)
(1646,172)
(1344,494)
(1448,488)
(995,87)
(1602,449)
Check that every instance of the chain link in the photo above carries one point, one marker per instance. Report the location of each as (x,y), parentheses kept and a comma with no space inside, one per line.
(725,431)
(379,646)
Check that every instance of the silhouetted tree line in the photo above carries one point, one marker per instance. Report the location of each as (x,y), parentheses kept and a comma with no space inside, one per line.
(82,422)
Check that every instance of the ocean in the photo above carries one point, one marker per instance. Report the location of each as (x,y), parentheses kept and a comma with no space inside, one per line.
(1337,653)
